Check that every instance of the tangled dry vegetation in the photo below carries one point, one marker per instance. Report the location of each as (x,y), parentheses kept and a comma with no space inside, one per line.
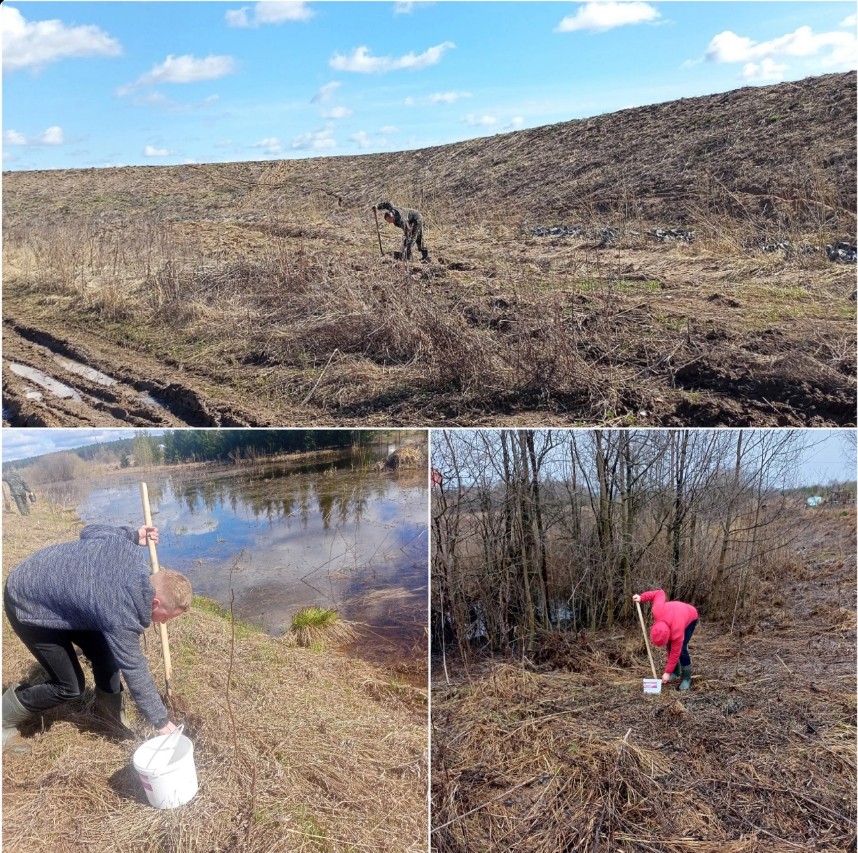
(265,279)
(568,754)
(298,751)
(406,459)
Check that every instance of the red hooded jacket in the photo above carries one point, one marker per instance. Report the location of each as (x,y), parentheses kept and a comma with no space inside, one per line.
(677,615)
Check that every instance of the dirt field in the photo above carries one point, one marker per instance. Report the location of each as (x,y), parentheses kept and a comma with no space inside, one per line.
(297,751)
(256,294)
(569,754)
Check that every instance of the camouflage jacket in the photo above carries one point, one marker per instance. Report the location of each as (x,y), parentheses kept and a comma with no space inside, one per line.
(403,217)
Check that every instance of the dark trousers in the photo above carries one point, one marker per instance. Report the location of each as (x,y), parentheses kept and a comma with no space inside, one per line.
(414,237)
(684,657)
(54,651)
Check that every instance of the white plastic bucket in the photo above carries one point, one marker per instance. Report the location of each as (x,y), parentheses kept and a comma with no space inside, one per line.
(652,685)
(165,765)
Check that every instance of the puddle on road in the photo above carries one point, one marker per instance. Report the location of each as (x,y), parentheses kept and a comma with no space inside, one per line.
(101,378)
(83,370)
(64,392)
(282,537)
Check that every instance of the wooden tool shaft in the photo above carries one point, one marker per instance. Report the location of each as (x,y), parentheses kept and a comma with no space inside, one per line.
(378,231)
(646,639)
(153,557)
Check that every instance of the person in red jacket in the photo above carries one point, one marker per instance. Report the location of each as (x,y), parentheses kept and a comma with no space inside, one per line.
(674,624)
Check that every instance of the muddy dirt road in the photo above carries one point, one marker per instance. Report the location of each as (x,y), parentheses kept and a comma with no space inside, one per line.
(50,381)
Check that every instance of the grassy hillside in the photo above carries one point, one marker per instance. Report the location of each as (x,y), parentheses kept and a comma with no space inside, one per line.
(775,154)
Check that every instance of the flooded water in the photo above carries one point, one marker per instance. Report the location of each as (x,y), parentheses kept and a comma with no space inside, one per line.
(276,538)
(58,389)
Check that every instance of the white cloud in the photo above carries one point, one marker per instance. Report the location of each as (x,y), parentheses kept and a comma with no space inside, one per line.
(409,101)
(831,49)
(336,112)
(12,137)
(35,44)
(447,97)
(766,71)
(325,93)
(52,136)
(184,69)
(270,145)
(479,121)
(851,21)
(316,141)
(361,138)
(516,123)
(601,16)
(406,7)
(389,128)
(269,12)
(152,151)
(362,62)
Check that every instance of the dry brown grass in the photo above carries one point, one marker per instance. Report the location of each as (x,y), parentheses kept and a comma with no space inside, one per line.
(309,752)
(567,753)
(406,458)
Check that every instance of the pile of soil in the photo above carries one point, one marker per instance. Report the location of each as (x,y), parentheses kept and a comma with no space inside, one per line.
(295,751)
(566,752)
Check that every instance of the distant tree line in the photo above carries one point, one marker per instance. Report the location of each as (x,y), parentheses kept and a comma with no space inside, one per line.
(199,445)
(538,530)
(178,446)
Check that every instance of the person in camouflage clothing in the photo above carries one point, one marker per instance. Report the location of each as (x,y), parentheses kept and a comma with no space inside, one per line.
(19,490)
(411,223)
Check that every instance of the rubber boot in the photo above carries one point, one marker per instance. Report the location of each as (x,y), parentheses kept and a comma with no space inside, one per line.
(425,254)
(677,672)
(110,707)
(685,684)
(13,714)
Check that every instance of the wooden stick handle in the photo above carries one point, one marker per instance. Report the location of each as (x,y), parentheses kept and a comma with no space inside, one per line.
(646,639)
(153,557)
(377,230)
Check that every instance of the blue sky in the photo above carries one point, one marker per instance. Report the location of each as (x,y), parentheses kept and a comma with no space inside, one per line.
(829,454)
(92,84)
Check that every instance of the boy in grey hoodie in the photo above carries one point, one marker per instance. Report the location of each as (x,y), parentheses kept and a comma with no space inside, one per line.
(97,593)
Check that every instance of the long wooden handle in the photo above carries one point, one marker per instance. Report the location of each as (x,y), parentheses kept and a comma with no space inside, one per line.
(378,230)
(153,557)
(646,639)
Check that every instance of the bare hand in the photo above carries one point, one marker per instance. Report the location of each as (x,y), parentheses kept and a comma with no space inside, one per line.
(636,597)
(665,678)
(168,729)
(146,534)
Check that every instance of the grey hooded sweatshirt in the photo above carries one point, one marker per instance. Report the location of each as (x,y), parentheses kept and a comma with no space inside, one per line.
(99,583)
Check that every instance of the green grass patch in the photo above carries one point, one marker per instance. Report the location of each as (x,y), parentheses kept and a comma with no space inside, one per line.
(315,627)
(314,617)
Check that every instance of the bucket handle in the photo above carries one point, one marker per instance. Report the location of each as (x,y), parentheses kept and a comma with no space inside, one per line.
(163,746)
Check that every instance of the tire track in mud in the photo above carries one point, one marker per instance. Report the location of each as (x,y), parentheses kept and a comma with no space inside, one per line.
(49,382)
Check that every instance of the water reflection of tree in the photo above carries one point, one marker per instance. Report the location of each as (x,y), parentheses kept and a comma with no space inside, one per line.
(279,495)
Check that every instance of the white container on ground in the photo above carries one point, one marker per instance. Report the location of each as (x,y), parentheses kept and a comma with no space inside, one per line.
(652,685)
(165,765)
